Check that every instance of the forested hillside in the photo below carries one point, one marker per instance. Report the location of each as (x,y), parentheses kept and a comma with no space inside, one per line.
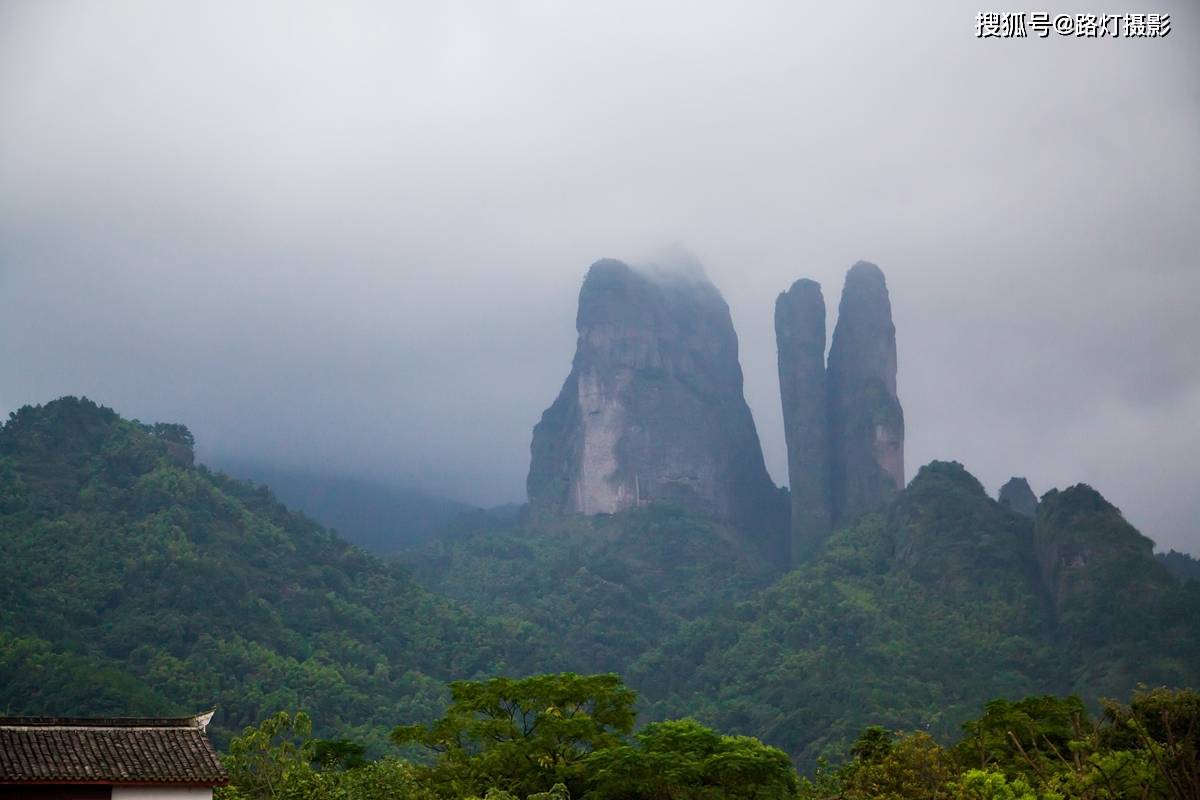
(604,589)
(912,618)
(136,583)
(376,517)
(916,616)
(1181,565)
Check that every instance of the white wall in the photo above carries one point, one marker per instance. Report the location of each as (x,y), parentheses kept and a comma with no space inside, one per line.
(161,793)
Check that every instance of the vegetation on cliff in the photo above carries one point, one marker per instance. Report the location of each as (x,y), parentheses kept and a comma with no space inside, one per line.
(135,583)
(911,618)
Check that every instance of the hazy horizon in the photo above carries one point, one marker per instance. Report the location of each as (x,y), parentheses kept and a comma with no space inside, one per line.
(351,240)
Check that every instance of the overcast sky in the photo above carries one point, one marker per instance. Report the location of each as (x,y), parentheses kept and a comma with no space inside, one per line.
(350,236)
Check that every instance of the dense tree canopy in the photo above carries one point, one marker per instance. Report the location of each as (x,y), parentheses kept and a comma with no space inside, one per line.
(136,582)
(1039,748)
(133,582)
(912,617)
(545,737)
(525,735)
(498,742)
(685,760)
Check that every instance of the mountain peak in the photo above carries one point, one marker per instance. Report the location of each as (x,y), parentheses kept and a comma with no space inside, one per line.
(653,409)
(946,474)
(866,273)
(800,340)
(1017,495)
(865,417)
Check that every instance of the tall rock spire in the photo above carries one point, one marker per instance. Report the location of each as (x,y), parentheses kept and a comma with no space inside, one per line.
(653,408)
(866,422)
(800,339)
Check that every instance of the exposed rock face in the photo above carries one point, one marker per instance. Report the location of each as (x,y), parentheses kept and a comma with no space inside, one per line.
(1017,495)
(653,409)
(800,337)
(866,422)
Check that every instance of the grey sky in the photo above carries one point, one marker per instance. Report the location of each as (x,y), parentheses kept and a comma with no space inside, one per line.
(351,235)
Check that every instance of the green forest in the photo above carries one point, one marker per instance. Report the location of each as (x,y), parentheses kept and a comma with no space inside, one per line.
(912,618)
(944,646)
(562,736)
(136,583)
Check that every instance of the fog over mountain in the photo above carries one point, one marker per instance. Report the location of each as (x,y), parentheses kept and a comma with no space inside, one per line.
(352,239)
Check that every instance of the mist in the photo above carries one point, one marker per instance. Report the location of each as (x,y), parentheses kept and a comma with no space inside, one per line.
(350,238)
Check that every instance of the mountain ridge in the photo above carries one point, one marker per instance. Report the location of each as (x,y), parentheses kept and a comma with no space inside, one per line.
(138,580)
(373,515)
(205,590)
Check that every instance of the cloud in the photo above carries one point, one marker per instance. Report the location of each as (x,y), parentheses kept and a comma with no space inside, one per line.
(352,237)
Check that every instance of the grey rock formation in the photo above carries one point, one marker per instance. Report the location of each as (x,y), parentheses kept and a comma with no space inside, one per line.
(800,338)
(653,408)
(1017,495)
(866,422)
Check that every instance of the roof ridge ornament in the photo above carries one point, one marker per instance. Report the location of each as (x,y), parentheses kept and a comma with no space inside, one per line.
(201,720)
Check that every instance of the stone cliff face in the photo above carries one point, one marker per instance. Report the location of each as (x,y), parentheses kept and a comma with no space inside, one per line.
(1017,495)
(866,422)
(800,337)
(653,408)
(843,422)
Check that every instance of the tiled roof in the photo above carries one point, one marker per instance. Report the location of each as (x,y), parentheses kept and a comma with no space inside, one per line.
(114,750)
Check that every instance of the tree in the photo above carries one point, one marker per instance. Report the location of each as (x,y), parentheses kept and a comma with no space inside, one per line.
(523,735)
(338,754)
(873,745)
(684,760)
(173,432)
(980,784)
(277,760)
(909,766)
(1163,727)
(1028,738)
(260,760)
